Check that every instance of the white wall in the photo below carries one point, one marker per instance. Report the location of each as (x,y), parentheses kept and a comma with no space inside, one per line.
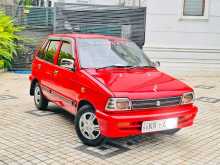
(167,32)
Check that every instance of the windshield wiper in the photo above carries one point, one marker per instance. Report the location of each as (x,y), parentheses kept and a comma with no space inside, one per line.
(114,66)
(139,66)
(125,66)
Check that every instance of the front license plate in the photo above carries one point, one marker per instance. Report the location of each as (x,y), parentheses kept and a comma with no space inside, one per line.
(159,125)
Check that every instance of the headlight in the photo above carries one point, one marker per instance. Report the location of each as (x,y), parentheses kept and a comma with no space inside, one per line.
(188,98)
(118,104)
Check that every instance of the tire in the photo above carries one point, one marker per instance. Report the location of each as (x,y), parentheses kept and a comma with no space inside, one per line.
(171,131)
(40,101)
(87,127)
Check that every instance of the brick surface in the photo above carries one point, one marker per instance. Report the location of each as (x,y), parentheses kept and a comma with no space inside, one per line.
(31,137)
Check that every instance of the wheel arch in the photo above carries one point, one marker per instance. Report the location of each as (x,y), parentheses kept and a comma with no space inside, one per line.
(85,102)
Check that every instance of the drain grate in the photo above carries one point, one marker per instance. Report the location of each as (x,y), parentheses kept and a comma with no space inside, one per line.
(209,99)
(204,86)
(107,150)
(7,97)
(115,147)
(41,113)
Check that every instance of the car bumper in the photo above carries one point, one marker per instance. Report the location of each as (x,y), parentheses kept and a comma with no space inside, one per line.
(115,125)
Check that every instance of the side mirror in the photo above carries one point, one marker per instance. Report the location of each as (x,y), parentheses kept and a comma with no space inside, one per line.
(67,63)
(156,64)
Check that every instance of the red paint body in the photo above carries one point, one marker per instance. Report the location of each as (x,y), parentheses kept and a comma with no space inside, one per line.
(68,88)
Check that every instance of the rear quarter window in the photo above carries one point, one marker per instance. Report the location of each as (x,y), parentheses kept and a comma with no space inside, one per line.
(42,48)
(48,50)
(51,51)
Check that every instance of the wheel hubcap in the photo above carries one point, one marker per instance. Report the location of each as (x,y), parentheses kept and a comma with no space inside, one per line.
(37,95)
(88,125)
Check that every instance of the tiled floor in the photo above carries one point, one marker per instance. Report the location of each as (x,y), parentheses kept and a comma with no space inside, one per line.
(28,136)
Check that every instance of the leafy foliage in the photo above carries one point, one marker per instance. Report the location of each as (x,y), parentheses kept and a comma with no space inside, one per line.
(1,64)
(64,55)
(27,2)
(8,38)
(49,56)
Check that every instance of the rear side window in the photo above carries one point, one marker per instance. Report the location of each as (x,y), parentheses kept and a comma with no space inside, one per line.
(51,51)
(42,49)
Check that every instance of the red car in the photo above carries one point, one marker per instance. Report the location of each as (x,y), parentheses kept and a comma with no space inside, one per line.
(109,84)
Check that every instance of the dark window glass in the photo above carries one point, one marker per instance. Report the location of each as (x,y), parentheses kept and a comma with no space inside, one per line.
(51,51)
(194,7)
(65,52)
(49,3)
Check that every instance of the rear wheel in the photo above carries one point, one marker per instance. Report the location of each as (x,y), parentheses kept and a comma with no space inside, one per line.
(40,101)
(87,126)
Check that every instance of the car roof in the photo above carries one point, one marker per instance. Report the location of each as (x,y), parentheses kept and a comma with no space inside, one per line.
(77,35)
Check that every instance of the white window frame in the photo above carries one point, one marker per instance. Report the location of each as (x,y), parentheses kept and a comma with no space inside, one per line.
(204,17)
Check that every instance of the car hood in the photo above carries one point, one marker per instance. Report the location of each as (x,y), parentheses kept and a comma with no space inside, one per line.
(139,83)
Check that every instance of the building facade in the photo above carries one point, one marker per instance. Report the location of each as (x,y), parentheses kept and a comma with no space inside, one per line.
(177,28)
(7,2)
(186,29)
(99,2)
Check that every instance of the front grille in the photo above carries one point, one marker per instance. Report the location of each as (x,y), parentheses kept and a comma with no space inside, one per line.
(155,103)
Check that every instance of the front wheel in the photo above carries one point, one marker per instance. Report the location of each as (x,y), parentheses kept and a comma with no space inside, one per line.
(87,126)
(40,101)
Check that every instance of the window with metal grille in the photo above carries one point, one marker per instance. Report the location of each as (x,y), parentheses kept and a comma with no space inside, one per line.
(194,8)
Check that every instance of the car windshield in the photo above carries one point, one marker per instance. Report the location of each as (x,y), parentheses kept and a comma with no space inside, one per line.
(102,53)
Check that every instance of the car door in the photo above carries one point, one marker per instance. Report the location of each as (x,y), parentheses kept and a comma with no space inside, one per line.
(49,57)
(65,78)
(38,62)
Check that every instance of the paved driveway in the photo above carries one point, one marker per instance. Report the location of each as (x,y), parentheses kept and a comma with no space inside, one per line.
(29,136)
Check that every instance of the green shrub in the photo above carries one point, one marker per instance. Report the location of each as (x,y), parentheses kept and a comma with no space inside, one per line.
(1,64)
(27,2)
(8,38)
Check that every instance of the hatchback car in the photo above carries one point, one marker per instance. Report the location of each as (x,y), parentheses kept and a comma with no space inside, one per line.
(109,84)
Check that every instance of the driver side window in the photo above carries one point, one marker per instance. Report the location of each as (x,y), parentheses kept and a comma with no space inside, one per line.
(66,52)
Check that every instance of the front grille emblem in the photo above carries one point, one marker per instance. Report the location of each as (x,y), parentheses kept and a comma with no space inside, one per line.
(158,103)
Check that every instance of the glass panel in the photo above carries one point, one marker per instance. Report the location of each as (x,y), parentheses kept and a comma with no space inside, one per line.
(41,52)
(193,7)
(98,53)
(51,51)
(65,52)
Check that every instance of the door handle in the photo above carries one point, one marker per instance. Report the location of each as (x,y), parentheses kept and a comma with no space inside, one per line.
(55,72)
